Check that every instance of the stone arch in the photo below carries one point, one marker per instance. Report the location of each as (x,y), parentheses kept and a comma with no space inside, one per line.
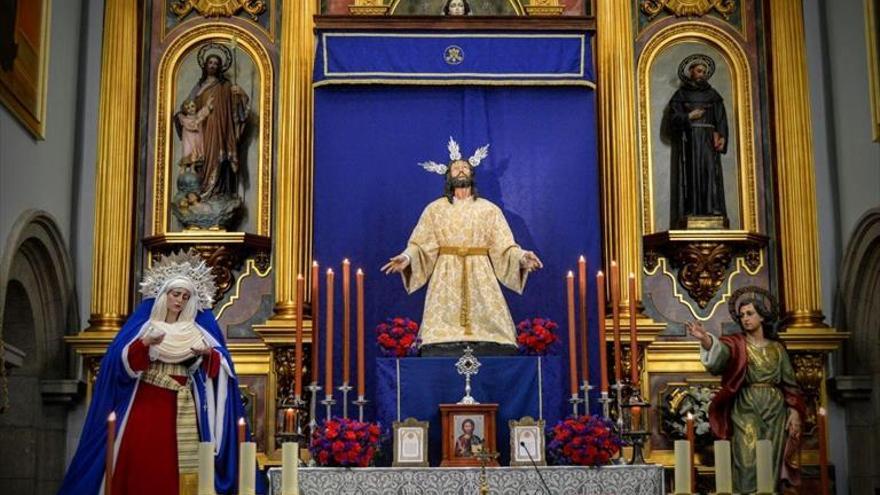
(37,309)
(858,312)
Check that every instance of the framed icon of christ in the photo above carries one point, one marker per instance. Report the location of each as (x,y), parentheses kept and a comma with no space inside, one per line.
(468,429)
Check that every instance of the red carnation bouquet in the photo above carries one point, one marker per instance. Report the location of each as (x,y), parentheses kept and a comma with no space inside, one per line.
(345,442)
(583,441)
(398,337)
(537,336)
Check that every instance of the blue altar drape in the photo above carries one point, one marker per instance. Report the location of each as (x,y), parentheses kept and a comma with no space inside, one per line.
(369,191)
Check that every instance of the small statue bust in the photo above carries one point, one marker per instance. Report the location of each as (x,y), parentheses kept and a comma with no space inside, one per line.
(456,7)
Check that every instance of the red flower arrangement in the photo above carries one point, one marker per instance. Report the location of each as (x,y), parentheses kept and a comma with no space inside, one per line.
(535,337)
(398,337)
(345,442)
(583,441)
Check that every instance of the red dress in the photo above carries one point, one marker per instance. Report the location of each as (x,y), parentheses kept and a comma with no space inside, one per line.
(146,463)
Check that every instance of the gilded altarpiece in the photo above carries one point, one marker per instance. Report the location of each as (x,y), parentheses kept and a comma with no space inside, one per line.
(212,85)
(691,268)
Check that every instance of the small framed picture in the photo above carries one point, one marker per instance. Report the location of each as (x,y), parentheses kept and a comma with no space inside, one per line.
(527,442)
(468,430)
(410,443)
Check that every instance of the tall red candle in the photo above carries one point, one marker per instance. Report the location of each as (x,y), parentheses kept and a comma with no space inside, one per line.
(111,448)
(823,451)
(328,363)
(633,333)
(288,420)
(242,432)
(572,334)
(603,347)
(582,300)
(346,321)
(615,320)
(316,311)
(360,332)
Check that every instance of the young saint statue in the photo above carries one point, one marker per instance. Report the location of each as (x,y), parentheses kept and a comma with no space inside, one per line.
(169,378)
(759,398)
(462,247)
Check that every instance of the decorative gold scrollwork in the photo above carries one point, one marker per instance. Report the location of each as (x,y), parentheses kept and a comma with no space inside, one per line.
(688,8)
(809,369)
(217,8)
(285,371)
(702,266)
(368,7)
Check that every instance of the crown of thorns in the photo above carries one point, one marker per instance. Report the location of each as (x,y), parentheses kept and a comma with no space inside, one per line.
(455,155)
(684,68)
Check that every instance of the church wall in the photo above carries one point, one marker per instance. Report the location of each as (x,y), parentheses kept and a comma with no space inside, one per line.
(847,161)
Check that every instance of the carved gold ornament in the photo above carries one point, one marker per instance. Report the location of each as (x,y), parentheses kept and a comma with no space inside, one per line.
(217,8)
(368,7)
(702,268)
(688,8)
(544,7)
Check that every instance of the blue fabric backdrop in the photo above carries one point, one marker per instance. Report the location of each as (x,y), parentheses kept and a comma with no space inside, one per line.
(426,382)
(369,190)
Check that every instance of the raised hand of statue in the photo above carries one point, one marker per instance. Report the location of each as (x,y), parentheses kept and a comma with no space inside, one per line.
(793,424)
(397,264)
(530,261)
(153,338)
(695,329)
(696,114)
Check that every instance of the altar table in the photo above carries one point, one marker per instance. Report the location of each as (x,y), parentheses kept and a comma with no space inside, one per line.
(561,480)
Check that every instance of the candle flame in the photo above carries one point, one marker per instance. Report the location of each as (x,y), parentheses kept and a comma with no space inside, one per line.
(600,273)
(360,272)
(632,275)
(329,270)
(299,277)
(582,258)
(570,274)
(345,261)
(112,416)
(822,411)
(241,421)
(613,263)
(690,417)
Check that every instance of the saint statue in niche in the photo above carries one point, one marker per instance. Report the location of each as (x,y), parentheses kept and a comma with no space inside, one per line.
(696,126)
(210,125)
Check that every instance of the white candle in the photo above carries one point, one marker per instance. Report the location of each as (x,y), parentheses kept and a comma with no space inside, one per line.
(764,466)
(682,466)
(290,468)
(206,468)
(723,478)
(247,474)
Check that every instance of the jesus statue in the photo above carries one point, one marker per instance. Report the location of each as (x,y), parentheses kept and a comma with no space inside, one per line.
(462,247)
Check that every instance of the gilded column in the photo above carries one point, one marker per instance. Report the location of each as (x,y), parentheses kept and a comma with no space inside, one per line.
(293,232)
(798,236)
(114,191)
(617,141)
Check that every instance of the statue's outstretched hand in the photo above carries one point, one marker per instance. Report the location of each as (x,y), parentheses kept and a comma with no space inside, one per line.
(696,330)
(530,261)
(397,264)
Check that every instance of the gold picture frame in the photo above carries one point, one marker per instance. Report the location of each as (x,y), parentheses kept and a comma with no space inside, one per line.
(410,443)
(24,62)
(872,38)
(529,432)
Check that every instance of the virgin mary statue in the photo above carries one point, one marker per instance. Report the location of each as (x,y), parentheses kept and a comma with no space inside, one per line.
(169,379)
